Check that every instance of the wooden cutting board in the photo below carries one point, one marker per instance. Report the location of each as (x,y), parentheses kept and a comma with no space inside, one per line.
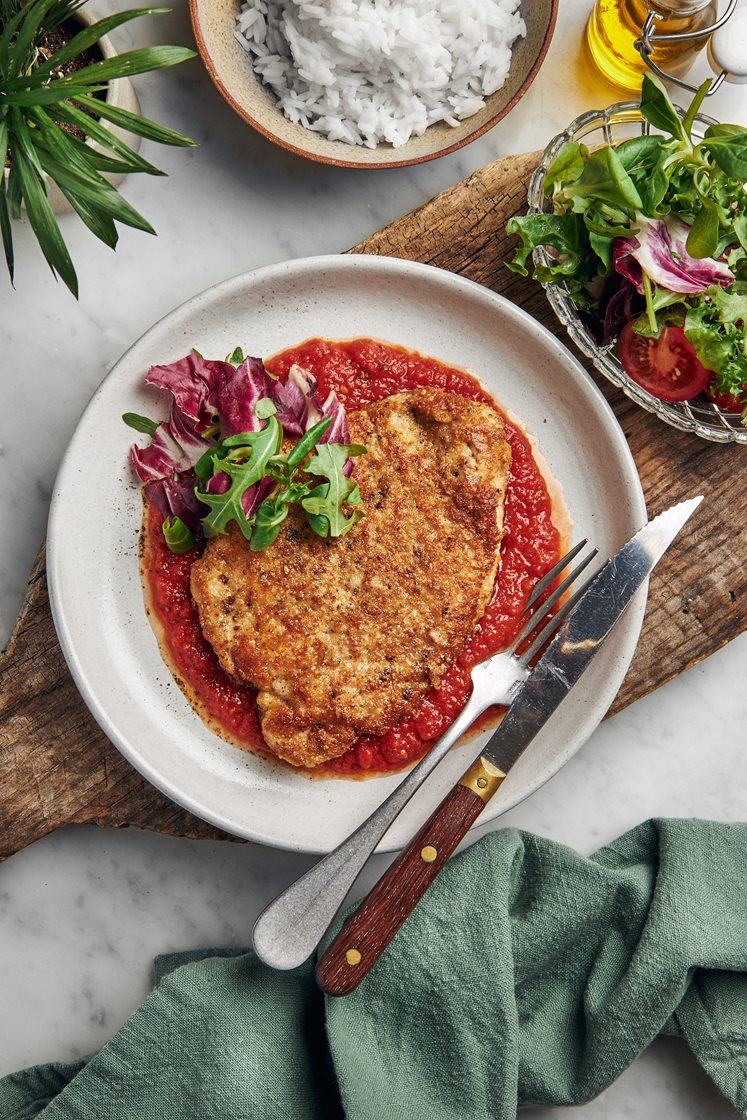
(57,766)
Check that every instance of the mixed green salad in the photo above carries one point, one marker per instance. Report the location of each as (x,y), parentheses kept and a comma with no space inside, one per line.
(650,238)
(218,458)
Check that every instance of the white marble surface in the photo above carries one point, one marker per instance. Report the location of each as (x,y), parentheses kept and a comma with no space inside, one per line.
(83,912)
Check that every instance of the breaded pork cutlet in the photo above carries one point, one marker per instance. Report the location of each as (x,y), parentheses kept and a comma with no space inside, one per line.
(344,637)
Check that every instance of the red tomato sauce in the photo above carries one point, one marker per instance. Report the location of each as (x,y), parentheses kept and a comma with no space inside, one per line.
(362,371)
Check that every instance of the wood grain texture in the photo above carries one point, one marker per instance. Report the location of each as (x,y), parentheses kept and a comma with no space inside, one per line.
(58,768)
(385,909)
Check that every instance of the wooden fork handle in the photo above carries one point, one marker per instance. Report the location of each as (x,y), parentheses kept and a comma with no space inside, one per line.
(368,931)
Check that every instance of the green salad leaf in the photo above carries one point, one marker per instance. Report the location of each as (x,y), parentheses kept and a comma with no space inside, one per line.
(728,149)
(178,536)
(659,110)
(249,457)
(605,180)
(703,239)
(671,175)
(227,507)
(236,357)
(140,423)
(324,503)
(716,325)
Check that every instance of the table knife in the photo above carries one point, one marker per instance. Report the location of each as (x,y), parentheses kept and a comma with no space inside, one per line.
(368,931)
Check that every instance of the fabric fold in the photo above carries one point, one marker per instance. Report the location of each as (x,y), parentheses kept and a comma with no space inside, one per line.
(528,975)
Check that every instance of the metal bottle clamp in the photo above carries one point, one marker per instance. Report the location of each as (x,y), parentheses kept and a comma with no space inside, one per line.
(723,54)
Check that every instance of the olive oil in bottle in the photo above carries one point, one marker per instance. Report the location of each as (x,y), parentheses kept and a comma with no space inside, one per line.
(614,26)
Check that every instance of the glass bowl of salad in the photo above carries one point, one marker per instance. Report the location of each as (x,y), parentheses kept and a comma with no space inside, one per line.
(637,229)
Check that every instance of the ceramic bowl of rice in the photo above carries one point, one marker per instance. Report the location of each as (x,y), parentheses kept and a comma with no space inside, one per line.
(373,83)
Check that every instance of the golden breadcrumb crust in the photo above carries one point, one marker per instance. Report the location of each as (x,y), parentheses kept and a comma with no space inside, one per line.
(344,637)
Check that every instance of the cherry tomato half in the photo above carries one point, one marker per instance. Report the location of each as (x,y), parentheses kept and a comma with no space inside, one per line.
(727,402)
(667,366)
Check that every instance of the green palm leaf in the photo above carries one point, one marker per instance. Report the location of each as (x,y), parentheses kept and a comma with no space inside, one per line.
(69,114)
(5,228)
(134,123)
(89,36)
(40,213)
(36,101)
(27,35)
(14,193)
(101,225)
(23,89)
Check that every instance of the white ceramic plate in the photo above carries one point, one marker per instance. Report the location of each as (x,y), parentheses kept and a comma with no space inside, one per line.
(92,559)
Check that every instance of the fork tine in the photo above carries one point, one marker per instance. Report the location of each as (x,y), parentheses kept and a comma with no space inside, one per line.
(555,620)
(533,622)
(541,586)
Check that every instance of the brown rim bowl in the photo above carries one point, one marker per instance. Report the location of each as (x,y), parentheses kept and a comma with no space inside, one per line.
(230,68)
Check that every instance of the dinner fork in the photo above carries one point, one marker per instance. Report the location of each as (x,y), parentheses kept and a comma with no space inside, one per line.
(290,928)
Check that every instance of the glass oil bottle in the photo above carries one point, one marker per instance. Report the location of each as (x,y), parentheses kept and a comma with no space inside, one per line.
(614,26)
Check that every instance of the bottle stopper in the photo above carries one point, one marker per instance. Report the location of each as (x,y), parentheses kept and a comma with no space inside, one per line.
(727,48)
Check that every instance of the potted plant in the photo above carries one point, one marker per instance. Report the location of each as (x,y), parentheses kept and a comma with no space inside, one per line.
(68,129)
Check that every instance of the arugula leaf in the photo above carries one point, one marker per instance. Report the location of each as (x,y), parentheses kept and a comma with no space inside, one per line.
(236,357)
(267,521)
(307,443)
(140,423)
(228,507)
(210,463)
(323,506)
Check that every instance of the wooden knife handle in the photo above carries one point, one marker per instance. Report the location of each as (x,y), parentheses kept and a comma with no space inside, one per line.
(368,931)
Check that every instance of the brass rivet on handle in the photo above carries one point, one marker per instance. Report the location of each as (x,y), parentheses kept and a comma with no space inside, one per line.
(428,853)
(353,956)
(483,778)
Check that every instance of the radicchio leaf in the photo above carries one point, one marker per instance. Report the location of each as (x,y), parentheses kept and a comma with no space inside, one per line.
(205,391)
(252,498)
(175,497)
(236,394)
(192,381)
(338,431)
(622,306)
(299,409)
(296,401)
(174,448)
(659,250)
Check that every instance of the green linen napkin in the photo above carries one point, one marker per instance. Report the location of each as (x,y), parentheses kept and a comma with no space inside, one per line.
(527,975)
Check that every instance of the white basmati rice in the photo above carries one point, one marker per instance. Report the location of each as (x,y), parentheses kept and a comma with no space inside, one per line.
(373,71)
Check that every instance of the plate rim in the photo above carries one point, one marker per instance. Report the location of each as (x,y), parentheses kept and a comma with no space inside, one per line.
(268,274)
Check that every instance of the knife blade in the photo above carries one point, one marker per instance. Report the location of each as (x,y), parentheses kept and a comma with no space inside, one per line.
(369,930)
(580,636)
